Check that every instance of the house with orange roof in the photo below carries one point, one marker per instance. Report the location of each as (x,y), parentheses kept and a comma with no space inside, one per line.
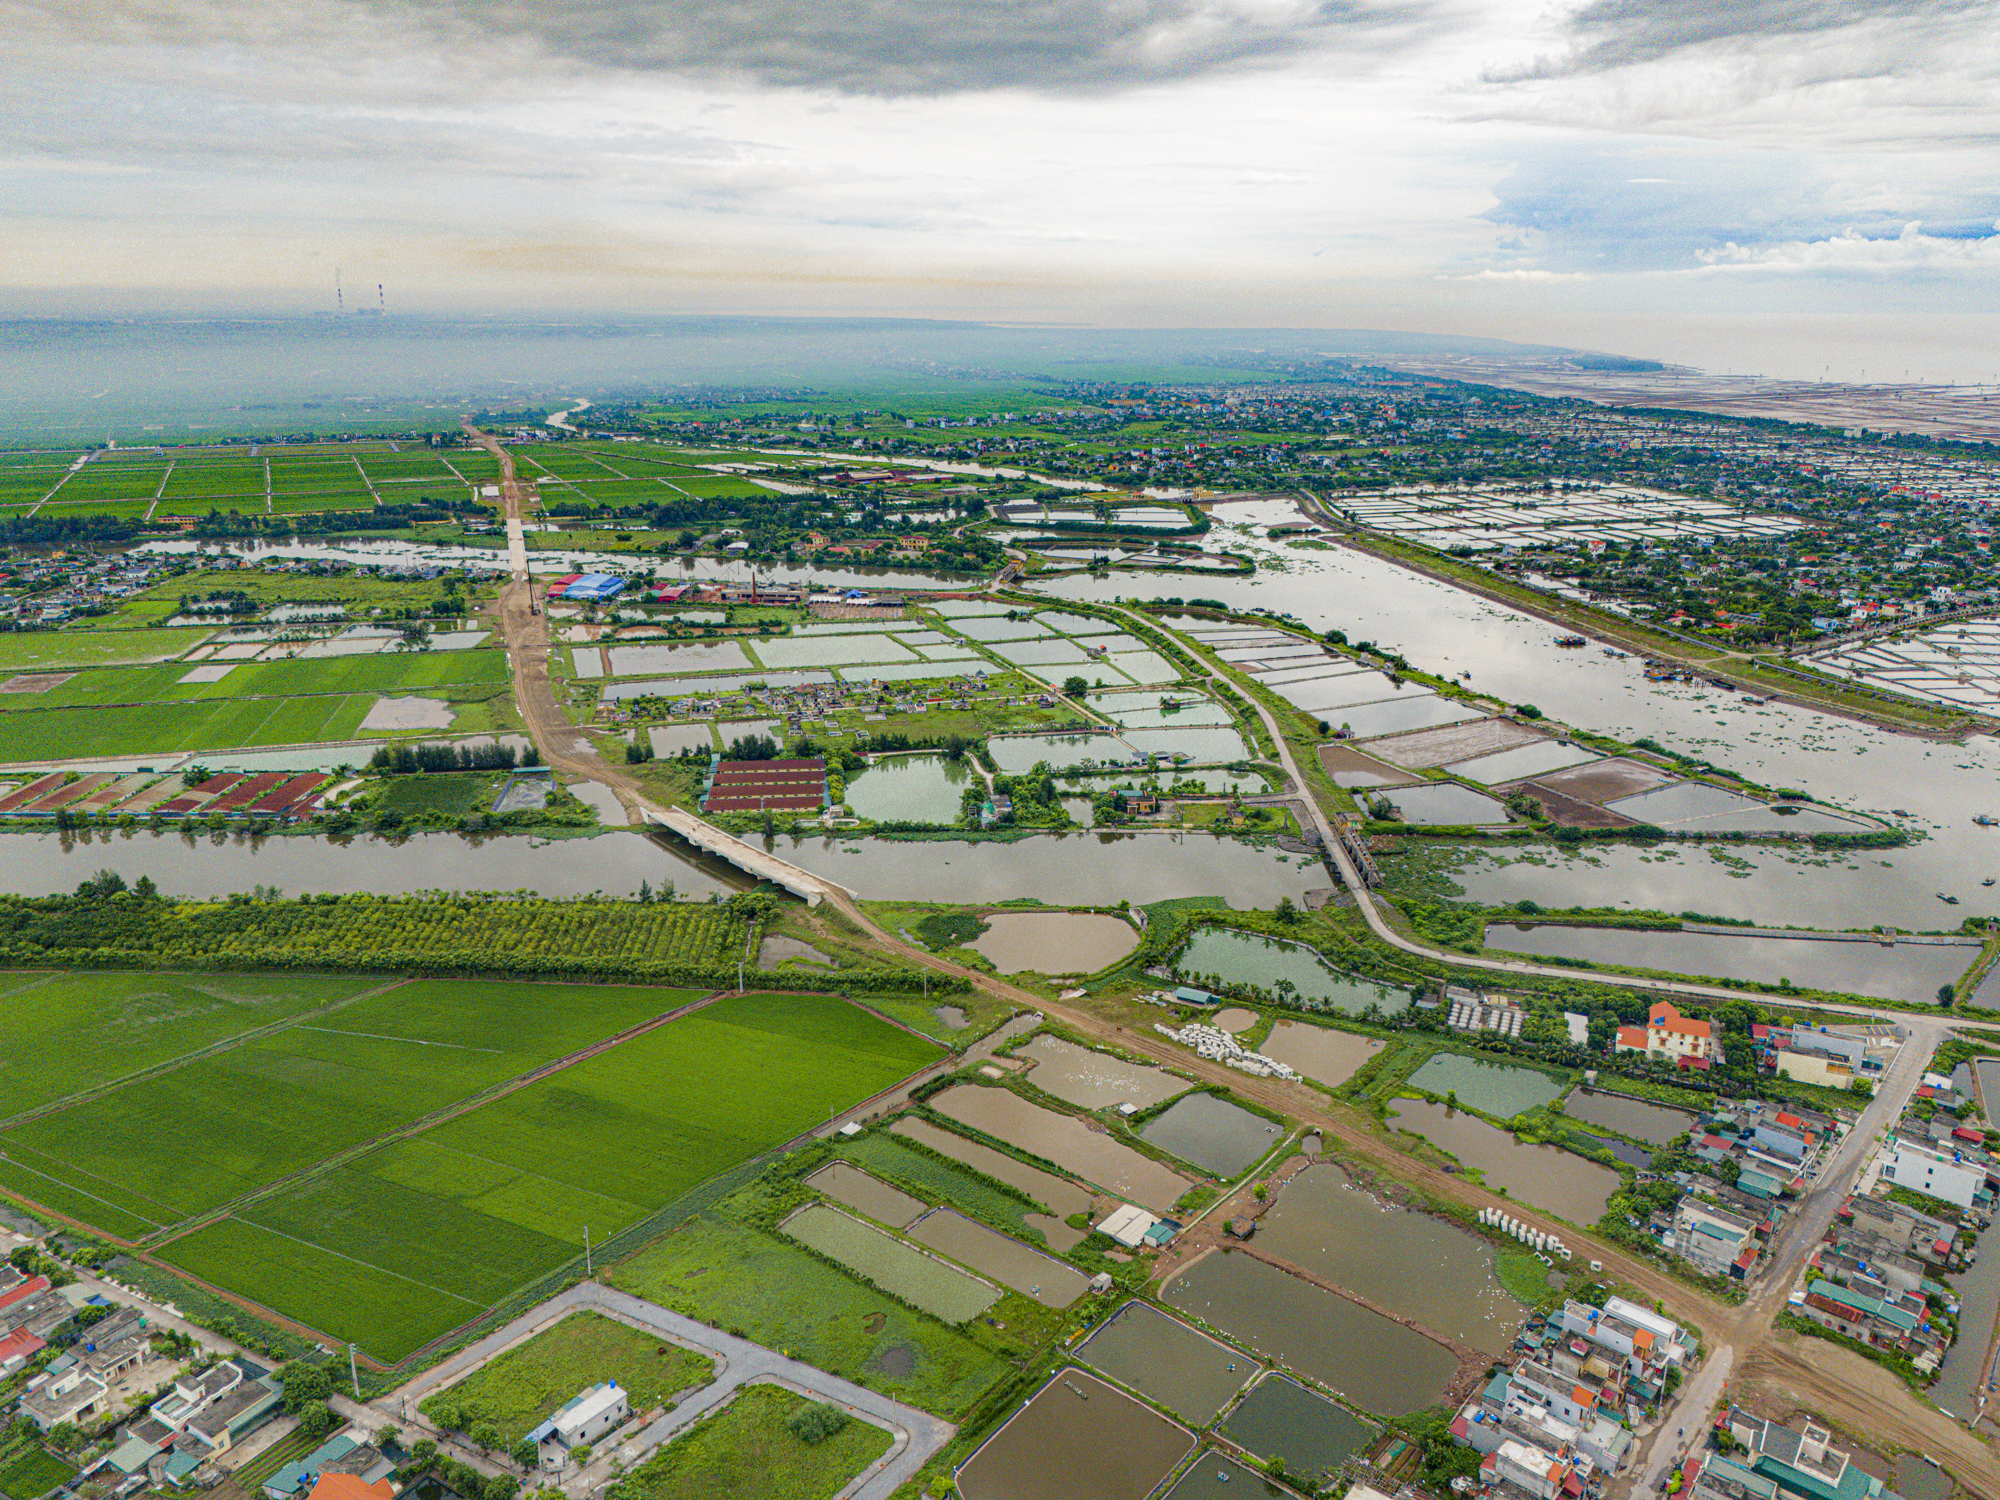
(1668,1033)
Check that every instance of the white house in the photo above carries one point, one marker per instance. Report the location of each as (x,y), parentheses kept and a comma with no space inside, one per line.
(1940,1173)
(582,1419)
(1668,1033)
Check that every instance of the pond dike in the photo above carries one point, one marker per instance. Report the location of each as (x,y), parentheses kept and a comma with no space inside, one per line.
(1885,939)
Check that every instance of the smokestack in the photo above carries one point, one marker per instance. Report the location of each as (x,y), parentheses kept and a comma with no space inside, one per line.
(381,303)
(339,299)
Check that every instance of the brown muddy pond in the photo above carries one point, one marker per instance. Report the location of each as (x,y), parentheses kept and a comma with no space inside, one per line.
(1319,1052)
(1190,1374)
(1095,1080)
(845,1183)
(1212,1133)
(1283,1419)
(1054,942)
(1375,1362)
(1051,1282)
(1411,1263)
(1057,1194)
(1544,1177)
(1655,1124)
(1077,1439)
(1066,1141)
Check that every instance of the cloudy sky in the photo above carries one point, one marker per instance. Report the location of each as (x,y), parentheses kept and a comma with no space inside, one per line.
(1776,186)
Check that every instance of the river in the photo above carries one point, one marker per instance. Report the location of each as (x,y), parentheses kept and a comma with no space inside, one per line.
(1511,655)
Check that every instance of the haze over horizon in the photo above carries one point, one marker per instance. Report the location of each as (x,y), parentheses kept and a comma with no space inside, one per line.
(1791,187)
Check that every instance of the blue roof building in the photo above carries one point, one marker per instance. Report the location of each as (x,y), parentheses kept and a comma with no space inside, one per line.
(595,587)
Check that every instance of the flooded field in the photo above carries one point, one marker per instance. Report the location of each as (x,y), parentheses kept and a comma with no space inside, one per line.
(1054,942)
(1166,1360)
(870,1195)
(1066,1141)
(1654,1124)
(1051,1282)
(1414,1264)
(1380,1365)
(1332,1057)
(1247,958)
(1544,1177)
(1692,806)
(1906,971)
(1057,1194)
(1095,1080)
(1496,1089)
(1283,1419)
(1077,1439)
(902,1270)
(1081,869)
(1212,1133)
(910,789)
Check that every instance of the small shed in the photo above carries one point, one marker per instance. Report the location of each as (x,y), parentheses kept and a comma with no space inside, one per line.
(1188,995)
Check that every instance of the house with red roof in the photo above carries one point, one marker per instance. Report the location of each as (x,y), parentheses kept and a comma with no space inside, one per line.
(1668,1033)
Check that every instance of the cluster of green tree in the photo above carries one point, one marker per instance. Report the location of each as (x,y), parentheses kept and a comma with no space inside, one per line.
(406,759)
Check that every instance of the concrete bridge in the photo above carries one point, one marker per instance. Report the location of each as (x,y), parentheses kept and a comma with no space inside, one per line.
(811,888)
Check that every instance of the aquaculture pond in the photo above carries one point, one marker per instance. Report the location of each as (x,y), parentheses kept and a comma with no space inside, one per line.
(1654,1124)
(900,1269)
(1095,1080)
(1497,1089)
(1445,804)
(1077,1439)
(1216,1476)
(1066,1141)
(1015,753)
(1236,957)
(1282,1419)
(845,1183)
(1321,1053)
(1413,1264)
(1057,1194)
(1054,942)
(1377,1363)
(1903,971)
(1168,1361)
(909,789)
(1212,1133)
(1051,1282)
(1544,1177)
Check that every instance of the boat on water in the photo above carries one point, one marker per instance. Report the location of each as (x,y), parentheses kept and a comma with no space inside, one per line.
(1987,820)
(1569,641)
(1947,900)
(1987,881)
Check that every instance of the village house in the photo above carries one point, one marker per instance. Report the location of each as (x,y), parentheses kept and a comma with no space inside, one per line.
(1668,1033)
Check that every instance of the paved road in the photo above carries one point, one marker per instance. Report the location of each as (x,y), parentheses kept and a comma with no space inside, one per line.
(916,1435)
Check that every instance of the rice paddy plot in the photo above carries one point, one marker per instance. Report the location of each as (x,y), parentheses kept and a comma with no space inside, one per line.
(70,1032)
(896,1266)
(1051,1282)
(189,1140)
(165,728)
(39,650)
(496,1196)
(320,1289)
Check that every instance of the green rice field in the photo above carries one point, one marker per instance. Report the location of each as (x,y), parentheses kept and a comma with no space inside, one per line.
(45,650)
(70,1032)
(162,728)
(190,1140)
(462,1213)
(285,677)
(746,1449)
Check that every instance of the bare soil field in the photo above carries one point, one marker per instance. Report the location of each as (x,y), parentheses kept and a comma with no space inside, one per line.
(1455,742)
(1604,781)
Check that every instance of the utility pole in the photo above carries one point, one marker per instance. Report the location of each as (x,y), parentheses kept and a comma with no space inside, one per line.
(586,1250)
(353,1375)
(739,976)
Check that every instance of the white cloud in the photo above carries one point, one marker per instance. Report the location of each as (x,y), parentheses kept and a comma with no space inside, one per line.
(1853,254)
